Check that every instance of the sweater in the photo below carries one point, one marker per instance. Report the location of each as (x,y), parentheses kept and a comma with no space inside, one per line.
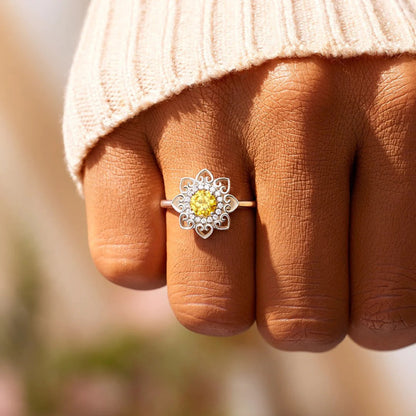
(135,53)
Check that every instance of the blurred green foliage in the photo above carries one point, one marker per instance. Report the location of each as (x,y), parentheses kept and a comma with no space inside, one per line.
(170,374)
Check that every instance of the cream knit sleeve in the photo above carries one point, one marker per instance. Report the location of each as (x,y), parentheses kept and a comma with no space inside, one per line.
(135,53)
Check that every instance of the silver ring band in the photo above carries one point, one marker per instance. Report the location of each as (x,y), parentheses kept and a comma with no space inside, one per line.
(166,203)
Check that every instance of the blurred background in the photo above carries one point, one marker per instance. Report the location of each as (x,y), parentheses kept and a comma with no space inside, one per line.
(72,343)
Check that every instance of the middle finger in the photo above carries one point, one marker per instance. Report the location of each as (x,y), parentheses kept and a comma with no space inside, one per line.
(303,163)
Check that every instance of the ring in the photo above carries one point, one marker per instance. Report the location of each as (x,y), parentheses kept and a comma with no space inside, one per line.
(204,203)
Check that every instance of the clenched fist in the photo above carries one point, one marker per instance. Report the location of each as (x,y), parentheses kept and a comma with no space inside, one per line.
(327,148)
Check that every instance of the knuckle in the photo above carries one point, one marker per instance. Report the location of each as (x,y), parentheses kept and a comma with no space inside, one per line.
(128,264)
(302,333)
(288,115)
(298,84)
(199,309)
(392,113)
(385,318)
(397,89)
(390,304)
(209,320)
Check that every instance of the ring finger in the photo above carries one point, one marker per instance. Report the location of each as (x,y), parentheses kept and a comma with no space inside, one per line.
(210,281)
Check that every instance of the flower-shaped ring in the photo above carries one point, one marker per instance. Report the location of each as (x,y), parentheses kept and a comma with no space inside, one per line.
(204,203)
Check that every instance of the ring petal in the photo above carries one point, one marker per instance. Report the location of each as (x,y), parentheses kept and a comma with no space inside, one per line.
(178,203)
(204,231)
(224,184)
(224,223)
(185,222)
(231,203)
(186,184)
(205,174)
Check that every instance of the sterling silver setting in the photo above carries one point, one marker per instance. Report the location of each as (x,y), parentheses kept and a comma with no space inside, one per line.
(222,206)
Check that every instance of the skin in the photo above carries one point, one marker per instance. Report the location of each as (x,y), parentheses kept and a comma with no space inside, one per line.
(328,150)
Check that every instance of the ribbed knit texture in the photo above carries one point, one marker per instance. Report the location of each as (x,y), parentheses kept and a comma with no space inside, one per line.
(135,53)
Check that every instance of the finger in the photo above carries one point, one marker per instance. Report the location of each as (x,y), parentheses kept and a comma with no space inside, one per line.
(302,184)
(210,281)
(126,227)
(383,222)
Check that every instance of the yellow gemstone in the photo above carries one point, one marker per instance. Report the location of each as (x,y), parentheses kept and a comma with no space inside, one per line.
(203,203)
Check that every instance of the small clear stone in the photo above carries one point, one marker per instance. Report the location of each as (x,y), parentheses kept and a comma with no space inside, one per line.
(200,186)
(187,199)
(190,193)
(218,211)
(215,216)
(197,219)
(192,216)
(206,187)
(209,219)
(217,193)
(204,220)
(212,189)
(219,199)
(220,205)
(188,211)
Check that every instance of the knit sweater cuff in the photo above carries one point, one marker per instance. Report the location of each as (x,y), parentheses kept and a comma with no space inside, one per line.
(135,53)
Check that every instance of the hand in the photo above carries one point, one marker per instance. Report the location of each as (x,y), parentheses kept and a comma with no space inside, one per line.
(328,150)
